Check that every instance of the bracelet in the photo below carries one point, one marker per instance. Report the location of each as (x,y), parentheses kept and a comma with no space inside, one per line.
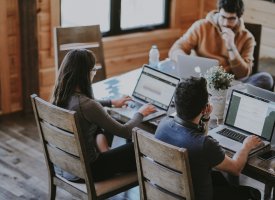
(205,119)
(230,49)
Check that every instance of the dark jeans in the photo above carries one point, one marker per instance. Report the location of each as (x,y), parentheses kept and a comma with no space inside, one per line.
(262,79)
(114,161)
(223,190)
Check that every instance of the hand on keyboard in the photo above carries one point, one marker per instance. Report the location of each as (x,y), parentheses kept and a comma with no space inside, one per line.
(118,103)
(147,109)
(252,142)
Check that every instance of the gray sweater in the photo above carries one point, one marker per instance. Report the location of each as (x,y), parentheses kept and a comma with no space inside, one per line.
(94,119)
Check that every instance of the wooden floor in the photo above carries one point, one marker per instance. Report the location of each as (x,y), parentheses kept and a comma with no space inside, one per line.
(23,173)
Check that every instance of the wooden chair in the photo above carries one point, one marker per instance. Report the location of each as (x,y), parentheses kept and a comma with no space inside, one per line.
(64,147)
(163,169)
(85,37)
(256,31)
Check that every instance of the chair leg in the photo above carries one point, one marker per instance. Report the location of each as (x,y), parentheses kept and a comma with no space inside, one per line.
(52,190)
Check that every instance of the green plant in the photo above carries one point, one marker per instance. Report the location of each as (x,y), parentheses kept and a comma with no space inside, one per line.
(218,78)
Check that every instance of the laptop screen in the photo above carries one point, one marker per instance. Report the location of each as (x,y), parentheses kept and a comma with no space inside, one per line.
(251,114)
(155,87)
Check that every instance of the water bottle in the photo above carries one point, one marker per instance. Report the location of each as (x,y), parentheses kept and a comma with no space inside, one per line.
(154,56)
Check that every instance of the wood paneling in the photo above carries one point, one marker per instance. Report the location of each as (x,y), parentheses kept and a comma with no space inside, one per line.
(29,46)
(116,49)
(10,65)
(262,12)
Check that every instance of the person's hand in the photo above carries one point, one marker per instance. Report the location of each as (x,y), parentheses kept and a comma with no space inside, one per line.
(147,109)
(208,110)
(252,142)
(228,35)
(118,103)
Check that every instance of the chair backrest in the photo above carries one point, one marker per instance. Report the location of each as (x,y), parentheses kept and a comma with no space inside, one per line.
(84,37)
(163,169)
(256,31)
(62,141)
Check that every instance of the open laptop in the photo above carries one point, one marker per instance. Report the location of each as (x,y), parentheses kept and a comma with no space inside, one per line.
(153,86)
(247,114)
(251,89)
(188,66)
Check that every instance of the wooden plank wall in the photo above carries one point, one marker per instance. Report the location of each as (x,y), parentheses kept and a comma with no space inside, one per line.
(263,12)
(10,67)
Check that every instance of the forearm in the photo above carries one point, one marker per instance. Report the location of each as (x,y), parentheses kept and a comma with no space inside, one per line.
(177,49)
(238,66)
(240,159)
(107,103)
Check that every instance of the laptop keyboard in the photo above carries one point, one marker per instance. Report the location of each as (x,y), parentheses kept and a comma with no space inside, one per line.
(134,104)
(232,135)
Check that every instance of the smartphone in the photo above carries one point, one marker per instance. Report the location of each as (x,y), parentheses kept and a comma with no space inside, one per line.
(267,155)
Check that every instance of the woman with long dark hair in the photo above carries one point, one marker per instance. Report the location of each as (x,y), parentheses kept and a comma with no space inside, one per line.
(73,92)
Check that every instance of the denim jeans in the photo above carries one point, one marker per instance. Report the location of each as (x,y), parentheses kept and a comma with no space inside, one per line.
(261,79)
(66,175)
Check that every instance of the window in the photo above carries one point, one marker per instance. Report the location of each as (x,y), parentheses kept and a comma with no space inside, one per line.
(116,16)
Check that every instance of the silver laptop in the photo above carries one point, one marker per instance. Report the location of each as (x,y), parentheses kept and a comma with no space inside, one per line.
(247,114)
(251,89)
(153,86)
(188,66)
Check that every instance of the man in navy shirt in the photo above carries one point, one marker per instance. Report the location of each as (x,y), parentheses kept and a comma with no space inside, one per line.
(188,130)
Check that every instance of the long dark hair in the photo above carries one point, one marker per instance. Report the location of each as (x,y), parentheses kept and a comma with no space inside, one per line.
(74,73)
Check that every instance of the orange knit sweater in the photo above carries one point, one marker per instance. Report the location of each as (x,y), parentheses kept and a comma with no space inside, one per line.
(204,37)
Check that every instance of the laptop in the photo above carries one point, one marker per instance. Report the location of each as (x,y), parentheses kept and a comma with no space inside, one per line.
(251,89)
(247,114)
(153,86)
(195,66)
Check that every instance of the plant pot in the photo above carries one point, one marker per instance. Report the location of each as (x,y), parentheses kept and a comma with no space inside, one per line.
(217,99)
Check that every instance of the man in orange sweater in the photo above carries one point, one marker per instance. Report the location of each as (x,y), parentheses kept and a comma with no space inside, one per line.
(222,36)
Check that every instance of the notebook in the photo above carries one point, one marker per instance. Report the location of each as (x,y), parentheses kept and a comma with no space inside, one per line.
(153,86)
(247,114)
(188,66)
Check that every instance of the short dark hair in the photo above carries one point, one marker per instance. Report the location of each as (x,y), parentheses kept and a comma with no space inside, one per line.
(191,96)
(74,73)
(232,6)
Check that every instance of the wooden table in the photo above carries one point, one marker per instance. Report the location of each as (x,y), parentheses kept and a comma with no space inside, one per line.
(261,170)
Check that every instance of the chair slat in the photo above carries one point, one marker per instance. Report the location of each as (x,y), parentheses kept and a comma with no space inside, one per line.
(83,33)
(163,169)
(59,138)
(66,161)
(172,156)
(156,194)
(53,115)
(163,177)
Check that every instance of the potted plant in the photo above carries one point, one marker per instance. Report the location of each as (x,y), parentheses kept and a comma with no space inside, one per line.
(218,81)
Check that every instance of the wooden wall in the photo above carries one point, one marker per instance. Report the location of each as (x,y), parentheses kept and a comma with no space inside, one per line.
(10,68)
(263,12)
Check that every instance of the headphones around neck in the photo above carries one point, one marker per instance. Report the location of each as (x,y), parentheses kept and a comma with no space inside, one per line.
(188,124)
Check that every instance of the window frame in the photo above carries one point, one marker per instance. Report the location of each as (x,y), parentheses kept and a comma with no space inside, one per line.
(115,17)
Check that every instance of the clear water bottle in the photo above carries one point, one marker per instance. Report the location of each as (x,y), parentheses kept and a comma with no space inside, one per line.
(154,56)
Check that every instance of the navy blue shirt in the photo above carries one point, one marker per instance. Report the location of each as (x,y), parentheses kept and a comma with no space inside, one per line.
(204,153)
